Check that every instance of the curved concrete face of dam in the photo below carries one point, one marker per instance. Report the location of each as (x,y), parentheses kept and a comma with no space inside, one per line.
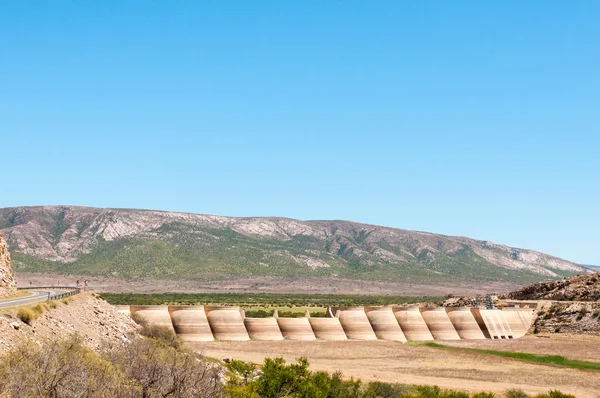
(439,324)
(190,322)
(265,329)
(226,323)
(412,324)
(154,314)
(496,324)
(327,328)
(384,323)
(519,320)
(296,329)
(198,323)
(355,323)
(465,324)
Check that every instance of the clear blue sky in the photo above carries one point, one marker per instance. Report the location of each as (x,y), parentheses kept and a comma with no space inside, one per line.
(479,119)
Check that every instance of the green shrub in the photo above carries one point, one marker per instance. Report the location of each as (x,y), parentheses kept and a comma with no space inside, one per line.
(515,393)
(385,390)
(554,394)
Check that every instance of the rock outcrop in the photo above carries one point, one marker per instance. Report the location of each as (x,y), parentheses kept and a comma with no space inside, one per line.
(577,288)
(8,285)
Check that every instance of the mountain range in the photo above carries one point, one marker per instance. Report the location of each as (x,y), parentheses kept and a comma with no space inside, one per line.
(131,244)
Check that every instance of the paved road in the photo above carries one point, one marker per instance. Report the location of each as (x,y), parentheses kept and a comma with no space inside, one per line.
(35,296)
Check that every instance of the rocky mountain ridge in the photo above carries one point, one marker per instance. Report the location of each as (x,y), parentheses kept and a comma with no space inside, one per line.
(8,285)
(576,288)
(137,243)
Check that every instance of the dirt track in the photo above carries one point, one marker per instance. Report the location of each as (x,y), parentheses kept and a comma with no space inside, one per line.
(395,362)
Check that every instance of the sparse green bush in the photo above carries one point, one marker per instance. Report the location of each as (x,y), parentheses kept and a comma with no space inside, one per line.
(515,393)
(278,379)
(554,394)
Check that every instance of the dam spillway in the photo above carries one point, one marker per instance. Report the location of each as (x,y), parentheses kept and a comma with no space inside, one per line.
(226,323)
(153,314)
(519,320)
(439,324)
(412,324)
(190,322)
(327,329)
(355,323)
(265,329)
(207,323)
(296,329)
(465,323)
(384,323)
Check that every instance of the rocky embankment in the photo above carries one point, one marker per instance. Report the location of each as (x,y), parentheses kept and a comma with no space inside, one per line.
(8,285)
(573,318)
(576,288)
(96,321)
(568,306)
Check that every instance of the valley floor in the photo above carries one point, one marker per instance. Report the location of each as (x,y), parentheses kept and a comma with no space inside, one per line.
(265,285)
(402,363)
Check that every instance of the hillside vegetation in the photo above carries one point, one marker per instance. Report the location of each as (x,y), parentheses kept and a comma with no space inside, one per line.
(140,243)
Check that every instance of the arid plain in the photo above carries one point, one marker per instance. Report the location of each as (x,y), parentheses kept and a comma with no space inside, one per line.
(412,364)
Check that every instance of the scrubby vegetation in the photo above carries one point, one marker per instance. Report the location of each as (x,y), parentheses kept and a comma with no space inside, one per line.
(140,367)
(267,300)
(277,379)
(160,366)
(30,313)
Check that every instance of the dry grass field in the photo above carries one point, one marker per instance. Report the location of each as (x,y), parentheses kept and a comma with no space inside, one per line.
(403,363)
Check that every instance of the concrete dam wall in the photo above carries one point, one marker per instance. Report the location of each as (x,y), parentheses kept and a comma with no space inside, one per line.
(208,323)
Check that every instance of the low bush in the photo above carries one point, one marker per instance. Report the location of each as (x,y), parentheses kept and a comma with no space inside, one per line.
(26,315)
(554,394)
(515,393)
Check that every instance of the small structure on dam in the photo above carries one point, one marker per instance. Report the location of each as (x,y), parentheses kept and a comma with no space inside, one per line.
(207,323)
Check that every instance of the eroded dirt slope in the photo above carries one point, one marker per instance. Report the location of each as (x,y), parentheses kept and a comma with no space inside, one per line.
(85,314)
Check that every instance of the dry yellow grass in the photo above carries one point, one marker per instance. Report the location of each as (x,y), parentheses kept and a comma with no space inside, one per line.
(401,363)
